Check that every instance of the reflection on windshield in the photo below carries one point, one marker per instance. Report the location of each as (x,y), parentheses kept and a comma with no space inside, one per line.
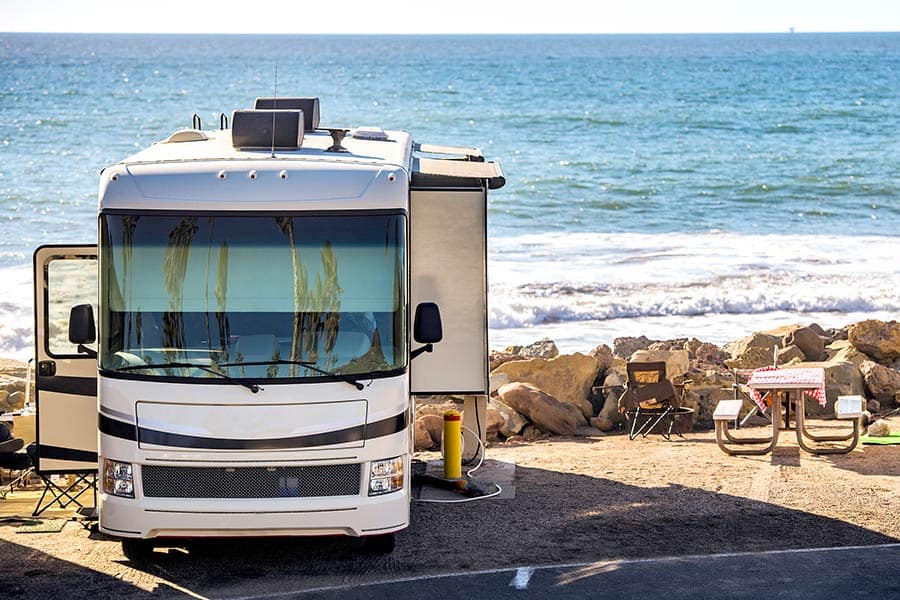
(253,297)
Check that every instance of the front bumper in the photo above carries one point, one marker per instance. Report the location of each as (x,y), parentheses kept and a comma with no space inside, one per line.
(351,516)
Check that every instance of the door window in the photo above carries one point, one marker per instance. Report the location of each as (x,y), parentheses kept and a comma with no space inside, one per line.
(70,281)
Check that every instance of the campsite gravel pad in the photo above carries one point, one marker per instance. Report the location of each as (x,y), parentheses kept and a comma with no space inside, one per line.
(44,526)
(576,501)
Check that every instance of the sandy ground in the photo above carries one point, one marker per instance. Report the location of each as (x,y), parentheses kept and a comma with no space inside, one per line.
(577,500)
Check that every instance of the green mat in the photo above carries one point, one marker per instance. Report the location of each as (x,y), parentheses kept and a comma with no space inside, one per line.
(885,440)
(45,526)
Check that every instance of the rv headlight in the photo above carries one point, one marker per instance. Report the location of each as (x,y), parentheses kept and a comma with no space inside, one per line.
(118,478)
(386,476)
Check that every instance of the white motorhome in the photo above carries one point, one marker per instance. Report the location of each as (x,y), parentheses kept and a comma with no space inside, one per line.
(269,298)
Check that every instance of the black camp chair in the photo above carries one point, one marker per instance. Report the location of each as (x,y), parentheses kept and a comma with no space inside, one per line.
(651,402)
(13,458)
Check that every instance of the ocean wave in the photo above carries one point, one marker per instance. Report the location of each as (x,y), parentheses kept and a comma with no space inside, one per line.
(16,342)
(784,128)
(552,277)
(522,312)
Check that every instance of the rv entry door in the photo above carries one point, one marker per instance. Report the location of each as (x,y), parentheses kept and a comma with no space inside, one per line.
(66,377)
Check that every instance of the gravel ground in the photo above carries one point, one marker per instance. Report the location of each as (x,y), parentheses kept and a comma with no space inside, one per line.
(577,500)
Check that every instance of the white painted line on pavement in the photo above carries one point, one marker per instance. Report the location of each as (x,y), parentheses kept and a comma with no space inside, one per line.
(522,577)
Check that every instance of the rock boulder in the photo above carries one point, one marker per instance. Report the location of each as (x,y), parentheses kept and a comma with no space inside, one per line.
(494,422)
(423,439)
(878,339)
(543,410)
(753,351)
(789,353)
(434,425)
(604,356)
(545,348)
(609,415)
(706,389)
(883,383)
(751,358)
(498,380)
(512,422)
(710,355)
(843,350)
(691,346)
(602,423)
(498,358)
(879,428)
(673,344)
(808,341)
(568,378)
(624,347)
(16,401)
(436,405)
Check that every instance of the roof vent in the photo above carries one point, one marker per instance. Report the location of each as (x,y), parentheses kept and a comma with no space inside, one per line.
(309,106)
(253,129)
(187,135)
(369,133)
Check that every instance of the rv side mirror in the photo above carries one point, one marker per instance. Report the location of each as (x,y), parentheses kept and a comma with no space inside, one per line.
(426,328)
(427,324)
(81,325)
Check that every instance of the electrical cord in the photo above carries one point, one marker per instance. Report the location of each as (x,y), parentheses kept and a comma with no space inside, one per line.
(469,474)
(481,446)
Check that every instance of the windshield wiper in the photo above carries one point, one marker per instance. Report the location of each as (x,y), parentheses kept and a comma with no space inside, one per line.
(309,365)
(186,365)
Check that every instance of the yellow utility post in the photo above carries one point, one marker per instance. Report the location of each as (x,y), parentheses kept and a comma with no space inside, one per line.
(452,445)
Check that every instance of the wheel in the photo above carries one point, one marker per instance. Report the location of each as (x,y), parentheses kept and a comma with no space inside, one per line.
(137,550)
(379,544)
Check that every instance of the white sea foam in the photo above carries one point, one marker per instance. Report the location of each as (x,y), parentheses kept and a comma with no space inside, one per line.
(16,313)
(716,286)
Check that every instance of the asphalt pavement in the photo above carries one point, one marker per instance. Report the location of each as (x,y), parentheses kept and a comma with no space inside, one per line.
(820,573)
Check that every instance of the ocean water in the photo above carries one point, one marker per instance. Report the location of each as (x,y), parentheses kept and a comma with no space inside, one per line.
(666,185)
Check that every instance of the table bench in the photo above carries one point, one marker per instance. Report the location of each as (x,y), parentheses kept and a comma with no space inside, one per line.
(729,410)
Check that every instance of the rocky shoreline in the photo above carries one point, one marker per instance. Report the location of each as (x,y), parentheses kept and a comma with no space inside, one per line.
(537,393)
(12,385)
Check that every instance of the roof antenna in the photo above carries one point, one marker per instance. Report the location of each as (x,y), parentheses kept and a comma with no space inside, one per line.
(275,96)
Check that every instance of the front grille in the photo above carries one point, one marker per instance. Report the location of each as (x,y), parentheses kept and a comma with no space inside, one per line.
(251,482)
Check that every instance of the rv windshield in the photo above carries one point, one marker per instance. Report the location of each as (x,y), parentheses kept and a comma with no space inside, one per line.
(252,297)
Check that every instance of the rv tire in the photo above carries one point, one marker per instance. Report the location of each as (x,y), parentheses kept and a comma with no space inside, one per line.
(137,550)
(379,544)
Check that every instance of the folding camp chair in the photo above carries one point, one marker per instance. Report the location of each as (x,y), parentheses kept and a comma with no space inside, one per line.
(14,459)
(651,402)
(65,494)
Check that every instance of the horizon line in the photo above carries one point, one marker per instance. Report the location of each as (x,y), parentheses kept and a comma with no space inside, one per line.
(437,34)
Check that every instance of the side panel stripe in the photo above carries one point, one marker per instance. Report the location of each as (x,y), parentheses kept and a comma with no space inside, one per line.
(58,453)
(117,428)
(81,386)
(377,429)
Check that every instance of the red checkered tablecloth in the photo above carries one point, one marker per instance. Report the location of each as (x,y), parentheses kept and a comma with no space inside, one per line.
(810,380)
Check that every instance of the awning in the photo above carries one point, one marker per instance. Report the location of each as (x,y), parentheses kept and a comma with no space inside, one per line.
(460,170)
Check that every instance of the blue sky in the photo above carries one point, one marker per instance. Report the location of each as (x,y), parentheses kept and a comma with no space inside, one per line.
(459,16)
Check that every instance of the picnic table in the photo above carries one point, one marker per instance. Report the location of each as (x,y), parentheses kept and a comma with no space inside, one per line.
(777,383)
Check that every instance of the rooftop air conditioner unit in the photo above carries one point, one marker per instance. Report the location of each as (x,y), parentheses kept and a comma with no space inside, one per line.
(279,129)
(309,106)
